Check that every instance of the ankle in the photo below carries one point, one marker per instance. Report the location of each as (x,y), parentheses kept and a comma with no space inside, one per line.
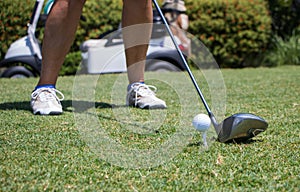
(129,85)
(51,86)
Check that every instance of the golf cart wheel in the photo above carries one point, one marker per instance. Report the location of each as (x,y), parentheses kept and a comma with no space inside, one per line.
(17,72)
(161,66)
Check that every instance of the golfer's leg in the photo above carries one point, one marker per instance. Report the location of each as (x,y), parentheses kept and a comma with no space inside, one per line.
(59,34)
(137,14)
(136,37)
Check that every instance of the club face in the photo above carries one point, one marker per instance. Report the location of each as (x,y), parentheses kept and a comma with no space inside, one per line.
(240,127)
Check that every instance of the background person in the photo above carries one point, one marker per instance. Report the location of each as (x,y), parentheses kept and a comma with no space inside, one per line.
(175,13)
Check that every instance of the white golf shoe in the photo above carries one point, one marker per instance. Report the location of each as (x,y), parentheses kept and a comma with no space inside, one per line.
(44,101)
(143,96)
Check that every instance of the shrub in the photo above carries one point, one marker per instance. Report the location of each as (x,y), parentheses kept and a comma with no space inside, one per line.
(231,29)
(285,15)
(71,63)
(13,22)
(284,52)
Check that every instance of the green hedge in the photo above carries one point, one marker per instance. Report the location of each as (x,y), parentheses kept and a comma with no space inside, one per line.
(286,17)
(14,17)
(284,51)
(232,29)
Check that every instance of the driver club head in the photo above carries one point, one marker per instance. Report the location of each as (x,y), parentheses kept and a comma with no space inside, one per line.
(240,127)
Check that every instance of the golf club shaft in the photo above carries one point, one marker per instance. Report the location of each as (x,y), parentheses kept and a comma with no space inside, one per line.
(211,115)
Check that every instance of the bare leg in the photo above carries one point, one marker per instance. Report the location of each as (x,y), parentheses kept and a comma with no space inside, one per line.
(136,38)
(59,34)
(137,27)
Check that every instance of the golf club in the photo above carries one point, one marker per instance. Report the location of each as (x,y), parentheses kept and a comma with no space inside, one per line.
(238,127)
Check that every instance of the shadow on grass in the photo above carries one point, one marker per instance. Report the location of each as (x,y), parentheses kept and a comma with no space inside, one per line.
(22,106)
(68,106)
(232,142)
(242,142)
(82,106)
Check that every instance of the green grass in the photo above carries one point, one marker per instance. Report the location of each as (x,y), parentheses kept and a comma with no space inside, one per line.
(54,153)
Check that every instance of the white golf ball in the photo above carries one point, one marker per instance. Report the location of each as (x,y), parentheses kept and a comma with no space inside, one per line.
(201,122)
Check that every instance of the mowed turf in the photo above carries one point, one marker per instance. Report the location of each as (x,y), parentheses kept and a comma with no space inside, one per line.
(99,144)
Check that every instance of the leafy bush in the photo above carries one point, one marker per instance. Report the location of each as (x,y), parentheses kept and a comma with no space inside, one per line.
(13,22)
(231,29)
(285,52)
(71,63)
(285,15)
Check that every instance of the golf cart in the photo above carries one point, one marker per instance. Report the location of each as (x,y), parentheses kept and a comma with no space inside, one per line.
(23,58)
(107,55)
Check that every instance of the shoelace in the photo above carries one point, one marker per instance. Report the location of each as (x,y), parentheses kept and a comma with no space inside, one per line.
(143,90)
(53,92)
